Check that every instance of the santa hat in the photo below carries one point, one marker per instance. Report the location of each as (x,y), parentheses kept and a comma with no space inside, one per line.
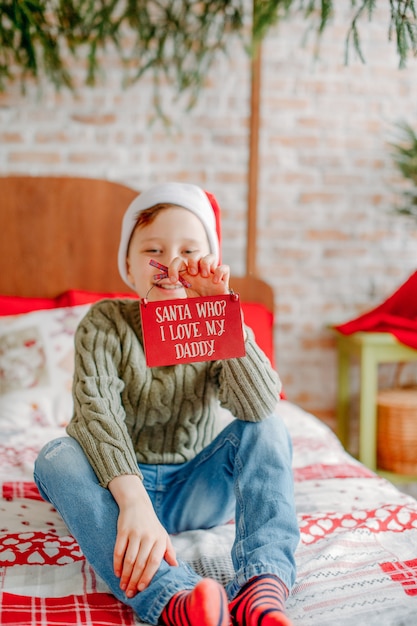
(204,205)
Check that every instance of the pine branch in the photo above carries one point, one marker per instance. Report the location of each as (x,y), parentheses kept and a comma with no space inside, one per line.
(171,40)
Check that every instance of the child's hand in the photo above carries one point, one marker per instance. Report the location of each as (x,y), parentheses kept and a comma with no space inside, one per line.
(206,278)
(142,542)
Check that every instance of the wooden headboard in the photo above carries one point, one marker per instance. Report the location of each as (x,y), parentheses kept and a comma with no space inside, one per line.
(60,233)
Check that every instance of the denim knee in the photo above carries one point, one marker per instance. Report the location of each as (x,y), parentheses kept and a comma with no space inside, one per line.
(270,431)
(52,452)
(56,462)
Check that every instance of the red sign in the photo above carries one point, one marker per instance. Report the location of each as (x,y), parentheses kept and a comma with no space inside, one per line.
(192,329)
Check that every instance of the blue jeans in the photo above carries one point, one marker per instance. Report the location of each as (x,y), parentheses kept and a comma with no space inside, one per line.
(245,473)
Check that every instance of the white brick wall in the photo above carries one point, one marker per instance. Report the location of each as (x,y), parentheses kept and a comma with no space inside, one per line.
(326,241)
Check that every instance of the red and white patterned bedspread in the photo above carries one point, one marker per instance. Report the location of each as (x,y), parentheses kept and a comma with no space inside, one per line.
(357,560)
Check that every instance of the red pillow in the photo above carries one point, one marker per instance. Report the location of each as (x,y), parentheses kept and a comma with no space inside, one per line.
(261,321)
(74,297)
(16,305)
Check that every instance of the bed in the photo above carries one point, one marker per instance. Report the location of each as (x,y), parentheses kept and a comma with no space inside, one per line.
(357,558)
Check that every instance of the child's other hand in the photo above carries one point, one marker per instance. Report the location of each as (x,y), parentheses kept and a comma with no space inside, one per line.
(206,278)
(142,542)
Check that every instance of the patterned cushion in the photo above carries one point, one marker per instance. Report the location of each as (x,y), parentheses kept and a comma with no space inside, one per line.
(36,367)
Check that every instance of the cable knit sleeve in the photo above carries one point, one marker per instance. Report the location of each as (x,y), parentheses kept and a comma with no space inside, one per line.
(98,422)
(248,386)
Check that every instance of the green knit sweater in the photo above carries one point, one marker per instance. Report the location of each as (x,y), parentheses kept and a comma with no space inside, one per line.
(126,412)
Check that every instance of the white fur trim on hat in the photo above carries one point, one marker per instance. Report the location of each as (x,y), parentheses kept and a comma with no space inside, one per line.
(184,195)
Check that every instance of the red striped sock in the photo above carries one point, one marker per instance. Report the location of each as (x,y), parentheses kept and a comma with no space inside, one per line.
(261,602)
(205,605)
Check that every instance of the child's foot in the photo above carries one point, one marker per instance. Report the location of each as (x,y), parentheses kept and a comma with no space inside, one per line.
(205,605)
(261,602)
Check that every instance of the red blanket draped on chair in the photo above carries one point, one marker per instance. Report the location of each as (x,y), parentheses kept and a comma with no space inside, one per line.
(397,315)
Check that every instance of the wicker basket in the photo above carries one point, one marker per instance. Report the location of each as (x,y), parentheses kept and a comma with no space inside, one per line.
(397,430)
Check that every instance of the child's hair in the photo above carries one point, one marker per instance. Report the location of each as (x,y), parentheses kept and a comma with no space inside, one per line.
(147,216)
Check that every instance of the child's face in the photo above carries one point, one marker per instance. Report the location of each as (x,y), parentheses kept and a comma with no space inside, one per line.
(175,232)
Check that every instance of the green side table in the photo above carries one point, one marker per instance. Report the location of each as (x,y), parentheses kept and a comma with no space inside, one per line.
(370,349)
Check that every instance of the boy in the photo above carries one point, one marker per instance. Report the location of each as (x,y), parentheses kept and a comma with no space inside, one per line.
(143,460)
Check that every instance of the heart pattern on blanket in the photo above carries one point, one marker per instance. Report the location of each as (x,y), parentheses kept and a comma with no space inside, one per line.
(7,556)
(39,548)
(388,518)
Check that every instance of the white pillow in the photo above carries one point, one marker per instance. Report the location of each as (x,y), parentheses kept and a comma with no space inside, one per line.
(36,369)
